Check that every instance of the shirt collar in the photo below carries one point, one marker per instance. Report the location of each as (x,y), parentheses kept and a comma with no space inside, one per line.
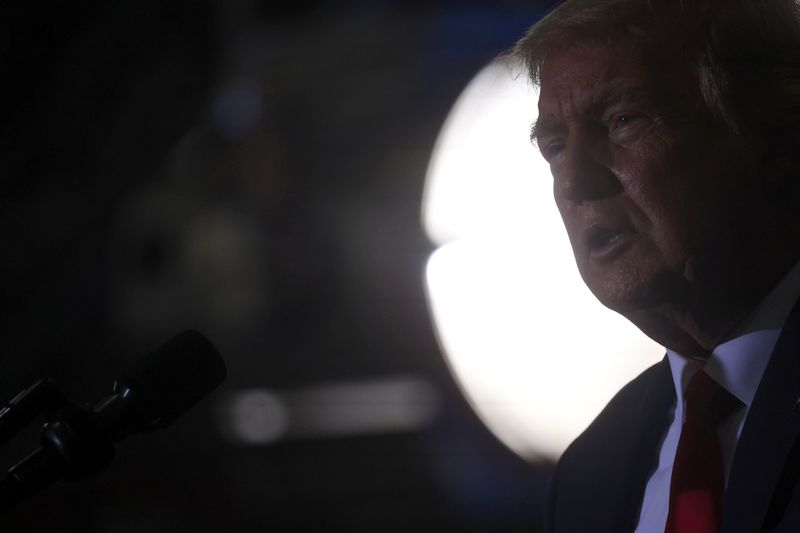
(739,362)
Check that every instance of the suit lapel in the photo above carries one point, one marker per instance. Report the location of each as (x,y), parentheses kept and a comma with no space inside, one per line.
(638,454)
(600,479)
(656,416)
(768,436)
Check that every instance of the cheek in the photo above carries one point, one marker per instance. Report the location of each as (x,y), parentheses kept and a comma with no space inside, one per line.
(670,185)
(692,192)
(568,213)
(648,168)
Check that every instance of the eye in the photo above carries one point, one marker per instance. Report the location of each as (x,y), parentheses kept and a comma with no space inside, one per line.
(551,148)
(623,120)
(627,128)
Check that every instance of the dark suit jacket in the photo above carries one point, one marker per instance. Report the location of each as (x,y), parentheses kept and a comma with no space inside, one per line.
(599,481)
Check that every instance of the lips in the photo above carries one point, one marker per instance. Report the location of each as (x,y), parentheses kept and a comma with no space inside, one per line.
(603,242)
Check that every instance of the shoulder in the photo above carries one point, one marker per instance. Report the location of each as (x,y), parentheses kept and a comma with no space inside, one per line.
(614,450)
(624,413)
(630,403)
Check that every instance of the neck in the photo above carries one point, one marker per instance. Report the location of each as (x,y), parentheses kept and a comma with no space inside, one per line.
(693,322)
(692,333)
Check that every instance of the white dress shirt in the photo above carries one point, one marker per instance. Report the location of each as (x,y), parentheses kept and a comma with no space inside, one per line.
(738,365)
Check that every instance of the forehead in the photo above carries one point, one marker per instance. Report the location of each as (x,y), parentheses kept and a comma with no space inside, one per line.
(583,77)
(594,67)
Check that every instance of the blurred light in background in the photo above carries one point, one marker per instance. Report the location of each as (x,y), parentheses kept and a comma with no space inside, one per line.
(238,109)
(178,258)
(254,416)
(260,416)
(534,352)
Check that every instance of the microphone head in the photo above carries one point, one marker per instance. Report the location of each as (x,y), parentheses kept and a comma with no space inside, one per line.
(175,376)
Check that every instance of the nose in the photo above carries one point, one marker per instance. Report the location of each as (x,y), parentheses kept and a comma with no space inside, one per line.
(584,173)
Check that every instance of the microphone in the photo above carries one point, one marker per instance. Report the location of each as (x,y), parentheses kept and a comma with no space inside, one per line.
(160,387)
(150,395)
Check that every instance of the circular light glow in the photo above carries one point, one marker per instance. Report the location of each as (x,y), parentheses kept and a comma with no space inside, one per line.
(534,352)
(254,416)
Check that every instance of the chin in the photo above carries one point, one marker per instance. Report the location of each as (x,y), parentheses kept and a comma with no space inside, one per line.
(621,293)
(637,281)
(662,327)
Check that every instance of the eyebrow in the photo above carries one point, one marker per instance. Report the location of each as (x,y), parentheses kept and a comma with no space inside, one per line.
(542,126)
(614,95)
(596,105)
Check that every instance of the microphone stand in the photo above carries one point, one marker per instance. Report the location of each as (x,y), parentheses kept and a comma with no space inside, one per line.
(41,396)
(73,444)
(77,440)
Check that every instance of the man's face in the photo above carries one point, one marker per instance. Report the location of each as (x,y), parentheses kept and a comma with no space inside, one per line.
(651,191)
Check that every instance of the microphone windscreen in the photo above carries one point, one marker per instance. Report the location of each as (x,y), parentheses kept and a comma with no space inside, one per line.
(177,375)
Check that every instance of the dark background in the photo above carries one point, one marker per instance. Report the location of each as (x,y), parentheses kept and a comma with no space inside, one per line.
(254,170)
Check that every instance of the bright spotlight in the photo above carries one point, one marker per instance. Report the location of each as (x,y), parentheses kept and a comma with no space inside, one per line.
(534,352)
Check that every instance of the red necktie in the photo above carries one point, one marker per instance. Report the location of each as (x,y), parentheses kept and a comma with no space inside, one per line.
(696,490)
